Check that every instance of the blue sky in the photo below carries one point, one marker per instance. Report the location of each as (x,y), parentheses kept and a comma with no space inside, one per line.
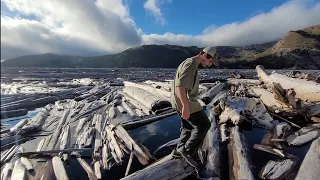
(98,27)
(192,17)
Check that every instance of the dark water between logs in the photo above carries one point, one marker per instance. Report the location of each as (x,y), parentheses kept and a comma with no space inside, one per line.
(157,133)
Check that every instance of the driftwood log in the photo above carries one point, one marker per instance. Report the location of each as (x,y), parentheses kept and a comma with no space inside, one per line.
(306,90)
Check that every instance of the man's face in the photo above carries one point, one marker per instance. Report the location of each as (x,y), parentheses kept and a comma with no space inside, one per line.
(208,60)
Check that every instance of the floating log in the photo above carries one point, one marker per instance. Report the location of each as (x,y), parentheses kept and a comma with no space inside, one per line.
(87,168)
(302,136)
(149,100)
(56,151)
(112,112)
(137,105)
(306,90)
(35,124)
(155,91)
(212,92)
(166,168)
(121,109)
(8,155)
(18,126)
(310,166)
(128,141)
(277,170)
(41,143)
(19,171)
(58,168)
(7,171)
(114,146)
(269,149)
(106,155)
(65,141)
(240,164)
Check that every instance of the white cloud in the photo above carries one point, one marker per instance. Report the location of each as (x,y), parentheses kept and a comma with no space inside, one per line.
(69,27)
(261,28)
(153,6)
(89,27)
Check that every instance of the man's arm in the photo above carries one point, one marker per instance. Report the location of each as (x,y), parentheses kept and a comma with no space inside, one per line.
(182,95)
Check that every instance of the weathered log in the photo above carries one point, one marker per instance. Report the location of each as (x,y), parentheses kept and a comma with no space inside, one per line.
(65,140)
(58,168)
(302,136)
(155,91)
(149,100)
(306,90)
(277,170)
(97,169)
(19,171)
(18,126)
(106,155)
(41,143)
(81,124)
(7,171)
(159,85)
(121,109)
(56,151)
(281,130)
(269,100)
(98,140)
(240,167)
(310,166)
(141,155)
(112,112)
(114,145)
(35,124)
(269,150)
(137,105)
(233,81)
(8,155)
(315,119)
(166,168)
(130,161)
(289,122)
(87,168)
(128,109)
(211,147)
(25,161)
(212,92)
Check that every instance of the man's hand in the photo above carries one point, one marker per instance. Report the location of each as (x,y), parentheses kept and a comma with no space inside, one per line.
(185,113)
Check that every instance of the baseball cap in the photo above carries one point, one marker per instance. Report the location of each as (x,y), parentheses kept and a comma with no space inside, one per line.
(212,52)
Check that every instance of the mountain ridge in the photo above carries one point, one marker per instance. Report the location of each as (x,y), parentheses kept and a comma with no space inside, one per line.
(299,49)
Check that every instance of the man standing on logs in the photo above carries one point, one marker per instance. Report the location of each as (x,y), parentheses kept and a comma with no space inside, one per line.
(194,121)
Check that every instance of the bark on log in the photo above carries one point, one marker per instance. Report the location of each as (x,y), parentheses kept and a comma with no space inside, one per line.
(306,90)
(310,166)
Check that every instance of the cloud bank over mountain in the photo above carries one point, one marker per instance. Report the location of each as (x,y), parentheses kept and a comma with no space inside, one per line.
(105,26)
